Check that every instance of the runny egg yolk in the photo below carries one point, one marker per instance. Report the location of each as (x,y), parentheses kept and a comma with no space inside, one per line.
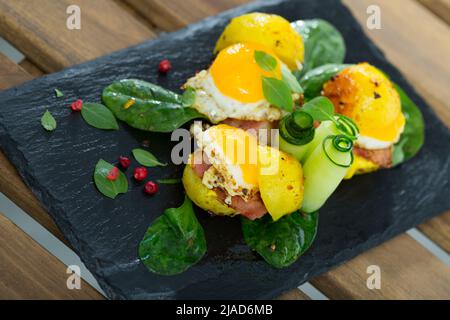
(237,75)
(240,150)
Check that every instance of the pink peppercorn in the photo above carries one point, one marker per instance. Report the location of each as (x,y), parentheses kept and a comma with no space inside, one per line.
(164,66)
(77,105)
(113,174)
(151,188)
(124,162)
(140,173)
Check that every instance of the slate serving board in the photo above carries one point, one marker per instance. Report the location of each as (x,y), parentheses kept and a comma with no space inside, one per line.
(58,167)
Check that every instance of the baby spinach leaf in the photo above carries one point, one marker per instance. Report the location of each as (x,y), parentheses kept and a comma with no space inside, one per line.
(188,97)
(320,108)
(155,108)
(99,116)
(265,61)
(59,93)
(291,80)
(413,136)
(109,188)
(174,241)
(312,82)
(324,44)
(146,159)
(281,243)
(48,122)
(278,93)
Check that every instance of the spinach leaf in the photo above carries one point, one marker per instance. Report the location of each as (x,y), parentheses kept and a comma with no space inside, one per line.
(155,108)
(48,122)
(291,80)
(312,82)
(146,159)
(324,44)
(59,93)
(109,188)
(413,136)
(188,97)
(174,241)
(278,93)
(281,243)
(99,116)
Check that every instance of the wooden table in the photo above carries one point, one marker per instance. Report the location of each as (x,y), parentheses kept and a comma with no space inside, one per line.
(415,36)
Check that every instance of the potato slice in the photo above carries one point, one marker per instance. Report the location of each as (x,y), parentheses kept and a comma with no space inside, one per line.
(280,182)
(270,30)
(202,196)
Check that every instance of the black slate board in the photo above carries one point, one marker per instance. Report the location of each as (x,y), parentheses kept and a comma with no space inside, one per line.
(58,167)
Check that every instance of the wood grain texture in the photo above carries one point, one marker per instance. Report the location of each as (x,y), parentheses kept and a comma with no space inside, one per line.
(11,74)
(408,271)
(441,8)
(438,230)
(38,29)
(30,272)
(174,14)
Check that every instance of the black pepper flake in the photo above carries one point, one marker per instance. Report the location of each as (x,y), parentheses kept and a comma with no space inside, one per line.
(376,95)
(277,43)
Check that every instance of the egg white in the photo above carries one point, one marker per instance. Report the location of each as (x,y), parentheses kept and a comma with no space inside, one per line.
(370,143)
(218,107)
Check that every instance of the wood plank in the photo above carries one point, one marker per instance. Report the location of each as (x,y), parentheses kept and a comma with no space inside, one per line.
(408,271)
(30,272)
(293,295)
(441,8)
(438,230)
(175,14)
(10,182)
(48,43)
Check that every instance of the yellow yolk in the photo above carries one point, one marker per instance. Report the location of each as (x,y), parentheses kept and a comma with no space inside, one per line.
(239,148)
(237,75)
(365,94)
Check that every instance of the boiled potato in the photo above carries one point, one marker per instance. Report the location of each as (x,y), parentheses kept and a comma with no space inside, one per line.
(280,182)
(270,30)
(201,195)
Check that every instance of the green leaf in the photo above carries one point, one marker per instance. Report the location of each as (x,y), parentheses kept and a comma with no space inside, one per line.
(107,187)
(413,136)
(265,61)
(291,80)
(312,82)
(324,44)
(146,159)
(168,181)
(99,116)
(174,241)
(156,109)
(277,93)
(48,122)
(320,108)
(58,93)
(188,97)
(282,242)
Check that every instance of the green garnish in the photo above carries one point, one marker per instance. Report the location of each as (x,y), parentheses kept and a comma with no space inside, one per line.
(320,108)
(174,241)
(99,116)
(297,128)
(146,159)
(168,181)
(291,80)
(109,188)
(341,143)
(278,93)
(48,122)
(265,61)
(58,93)
(188,97)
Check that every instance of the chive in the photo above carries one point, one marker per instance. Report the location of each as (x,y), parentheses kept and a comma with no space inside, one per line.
(341,143)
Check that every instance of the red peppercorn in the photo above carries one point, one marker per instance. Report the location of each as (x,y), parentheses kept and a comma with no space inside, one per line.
(113,174)
(124,162)
(164,66)
(140,173)
(151,188)
(77,105)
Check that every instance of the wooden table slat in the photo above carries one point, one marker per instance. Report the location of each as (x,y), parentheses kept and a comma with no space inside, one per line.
(105,27)
(28,271)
